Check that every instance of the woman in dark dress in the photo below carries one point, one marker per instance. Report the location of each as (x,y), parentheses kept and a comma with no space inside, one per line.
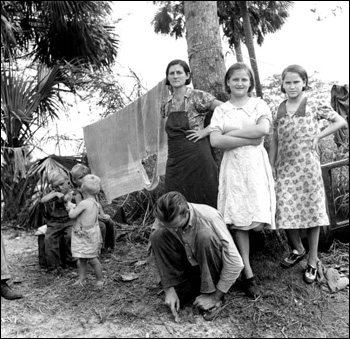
(191,168)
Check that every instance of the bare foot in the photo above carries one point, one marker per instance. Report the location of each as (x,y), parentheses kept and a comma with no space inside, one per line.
(99,283)
(79,283)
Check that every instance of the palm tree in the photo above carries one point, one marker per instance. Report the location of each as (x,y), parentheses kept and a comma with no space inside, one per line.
(52,31)
(52,35)
(27,104)
(249,40)
(204,46)
(268,16)
(258,19)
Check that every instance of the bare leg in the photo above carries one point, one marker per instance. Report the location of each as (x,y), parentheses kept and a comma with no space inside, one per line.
(313,237)
(295,239)
(96,265)
(82,268)
(241,239)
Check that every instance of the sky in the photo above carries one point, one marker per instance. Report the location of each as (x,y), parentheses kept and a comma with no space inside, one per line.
(320,46)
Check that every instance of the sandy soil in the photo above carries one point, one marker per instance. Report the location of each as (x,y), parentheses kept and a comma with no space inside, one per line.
(53,308)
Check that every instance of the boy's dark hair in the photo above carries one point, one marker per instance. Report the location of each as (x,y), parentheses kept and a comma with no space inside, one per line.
(298,70)
(184,65)
(79,170)
(169,206)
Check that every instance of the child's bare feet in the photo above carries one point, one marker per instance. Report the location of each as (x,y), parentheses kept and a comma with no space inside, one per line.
(79,283)
(99,283)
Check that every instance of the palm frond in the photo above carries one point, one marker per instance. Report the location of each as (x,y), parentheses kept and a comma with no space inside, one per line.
(26,100)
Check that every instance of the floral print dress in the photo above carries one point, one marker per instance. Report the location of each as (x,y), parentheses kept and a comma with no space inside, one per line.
(299,186)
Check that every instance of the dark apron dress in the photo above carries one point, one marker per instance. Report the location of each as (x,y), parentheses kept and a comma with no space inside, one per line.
(191,168)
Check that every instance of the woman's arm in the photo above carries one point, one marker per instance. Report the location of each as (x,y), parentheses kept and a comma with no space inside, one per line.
(203,133)
(215,104)
(227,142)
(198,135)
(261,129)
(338,123)
(273,153)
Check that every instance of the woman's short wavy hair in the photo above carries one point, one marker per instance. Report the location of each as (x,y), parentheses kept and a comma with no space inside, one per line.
(169,206)
(298,70)
(238,66)
(184,65)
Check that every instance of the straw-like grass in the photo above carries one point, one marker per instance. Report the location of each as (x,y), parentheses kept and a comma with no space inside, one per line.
(52,307)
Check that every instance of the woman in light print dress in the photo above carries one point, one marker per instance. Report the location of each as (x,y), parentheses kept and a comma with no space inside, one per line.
(295,161)
(246,196)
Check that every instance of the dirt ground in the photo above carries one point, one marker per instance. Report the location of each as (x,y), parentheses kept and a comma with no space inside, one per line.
(53,308)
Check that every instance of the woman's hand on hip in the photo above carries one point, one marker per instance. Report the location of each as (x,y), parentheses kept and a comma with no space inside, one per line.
(195,135)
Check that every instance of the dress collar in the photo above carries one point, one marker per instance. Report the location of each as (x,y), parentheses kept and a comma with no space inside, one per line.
(249,107)
(187,94)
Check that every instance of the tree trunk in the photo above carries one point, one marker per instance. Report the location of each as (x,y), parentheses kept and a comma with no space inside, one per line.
(250,45)
(205,54)
(238,51)
(204,47)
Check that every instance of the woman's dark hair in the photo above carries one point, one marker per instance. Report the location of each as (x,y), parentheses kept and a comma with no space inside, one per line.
(184,65)
(298,70)
(238,66)
(169,206)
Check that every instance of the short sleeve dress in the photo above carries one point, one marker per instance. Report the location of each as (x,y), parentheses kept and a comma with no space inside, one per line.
(191,168)
(299,185)
(246,187)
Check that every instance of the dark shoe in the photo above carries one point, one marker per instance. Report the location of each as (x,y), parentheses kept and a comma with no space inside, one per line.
(211,314)
(8,293)
(310,274)
(251,288)
(293,259)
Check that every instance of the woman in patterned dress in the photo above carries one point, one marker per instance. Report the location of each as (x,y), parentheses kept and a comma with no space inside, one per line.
(191,168)
(295,161)
(246,188)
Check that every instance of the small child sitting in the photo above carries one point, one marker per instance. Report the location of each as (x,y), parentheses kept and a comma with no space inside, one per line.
(57,220)
(78,172)
(86,234)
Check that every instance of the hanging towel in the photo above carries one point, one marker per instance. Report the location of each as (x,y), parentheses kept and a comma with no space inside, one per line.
(118,145)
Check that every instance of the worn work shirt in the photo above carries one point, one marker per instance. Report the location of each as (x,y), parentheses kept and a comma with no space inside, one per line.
(206,216)
(197,105)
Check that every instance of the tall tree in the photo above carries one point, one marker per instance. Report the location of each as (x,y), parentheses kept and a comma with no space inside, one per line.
(52,31)
(249,40)
(264,17)
(27,103)
(204,45)
(51,35)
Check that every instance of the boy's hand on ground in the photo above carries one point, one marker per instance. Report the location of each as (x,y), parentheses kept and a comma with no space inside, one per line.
(204,302)
(208,300)
(172,300)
